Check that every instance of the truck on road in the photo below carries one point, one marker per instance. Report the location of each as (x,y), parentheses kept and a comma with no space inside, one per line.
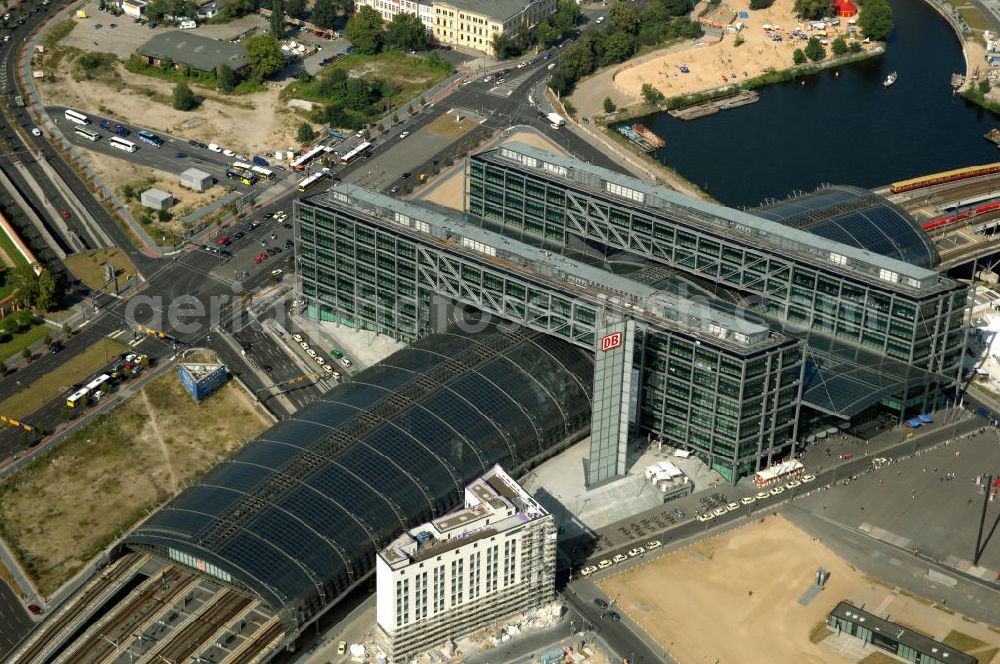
(556,120)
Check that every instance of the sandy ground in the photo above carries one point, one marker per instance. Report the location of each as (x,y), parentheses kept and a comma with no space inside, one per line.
(449,188)
(712,65)
(61,508)
(251,124)
(745,585)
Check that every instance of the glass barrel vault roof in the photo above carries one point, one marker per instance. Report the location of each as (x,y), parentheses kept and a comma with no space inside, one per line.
(859,218)
(297,515)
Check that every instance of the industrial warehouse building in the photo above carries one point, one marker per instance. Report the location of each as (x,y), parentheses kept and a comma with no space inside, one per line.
(458,556)
(728,333)
(187,50)
(196,179)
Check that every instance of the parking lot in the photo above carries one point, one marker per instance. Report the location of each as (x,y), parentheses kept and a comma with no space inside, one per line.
(123,39)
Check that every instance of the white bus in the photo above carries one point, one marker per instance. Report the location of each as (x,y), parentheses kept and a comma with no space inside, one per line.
(242,167)
(355,153)
(77,117)
(300,163)
(122,144)
(262,172)
(310,181)
(77,398)
(89,134)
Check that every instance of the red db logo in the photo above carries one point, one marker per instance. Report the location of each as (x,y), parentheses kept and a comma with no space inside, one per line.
(611,341)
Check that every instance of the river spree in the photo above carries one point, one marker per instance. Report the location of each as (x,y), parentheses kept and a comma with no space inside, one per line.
(841,129)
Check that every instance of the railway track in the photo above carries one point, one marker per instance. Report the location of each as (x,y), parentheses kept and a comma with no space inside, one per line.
(251,650)
(102,642)
(195,635)
(128,563)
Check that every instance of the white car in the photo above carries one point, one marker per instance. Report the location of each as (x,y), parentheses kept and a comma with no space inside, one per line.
(749,500)
(346,362)
(600,19)
(637,551)
(604,564)
(297,338)
(793,484)
(404,134)
(229,153)
(35,131)
(588,570)
(522,65)
(733,507)
(653,544)
(761,495)
(707,516)
(214,148)
(320,361)
(327,368)
(776,490)
(342,647)
(310,352)
(304,344)
(488,79)
(620,558)
(242,157)
(719,511)
(808,478)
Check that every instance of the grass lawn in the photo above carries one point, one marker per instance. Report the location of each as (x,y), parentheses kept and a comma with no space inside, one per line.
(74,370)
(67,505)
(58,31)
(986,656)
(7,246)
(963,642)
(975,18)
(447,127)
(89,267)
(19,342)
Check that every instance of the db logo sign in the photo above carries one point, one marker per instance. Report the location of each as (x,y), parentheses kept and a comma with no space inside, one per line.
(611,341)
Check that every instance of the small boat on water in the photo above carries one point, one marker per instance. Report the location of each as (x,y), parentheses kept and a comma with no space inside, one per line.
(889,80)
(649,135)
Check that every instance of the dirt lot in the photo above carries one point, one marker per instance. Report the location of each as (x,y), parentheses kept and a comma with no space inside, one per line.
(252,124)
(746,585)
(71,502)
(89,267)
(709,62)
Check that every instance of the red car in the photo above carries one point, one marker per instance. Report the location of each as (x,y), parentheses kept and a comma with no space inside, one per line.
(262,256)
(64,213)
(224,240)
(35,609)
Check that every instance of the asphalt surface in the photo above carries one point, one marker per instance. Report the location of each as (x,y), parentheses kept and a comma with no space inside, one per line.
(14,619)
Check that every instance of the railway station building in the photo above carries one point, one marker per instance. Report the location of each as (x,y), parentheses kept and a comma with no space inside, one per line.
(733,334)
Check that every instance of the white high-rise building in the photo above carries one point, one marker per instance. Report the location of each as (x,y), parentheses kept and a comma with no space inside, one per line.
(470,568)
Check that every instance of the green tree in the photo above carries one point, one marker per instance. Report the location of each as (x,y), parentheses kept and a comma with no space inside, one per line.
(854,47)
(184,99)
(545,34)
(278,18)
(814,50)
(228,79)
(26,354)
(234,8)
(407,32)
(624,17)
(324,13)
(651,94)
(798,57)
(609,106)
(305,133)
(67,330)
(619,47)
(25,281)
(504,47)
(838,46)
(760,4)
(264,54)
(295,8)
(875,19)
(676,7)
(49,290)
(364,30)
(984,87)
(811,9)
(567,15)
(3,369)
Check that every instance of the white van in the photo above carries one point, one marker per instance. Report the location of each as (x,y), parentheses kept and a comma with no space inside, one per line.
(187,25)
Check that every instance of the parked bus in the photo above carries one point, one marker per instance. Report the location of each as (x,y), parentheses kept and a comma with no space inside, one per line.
(300,163)
(114,128)
(149,137)
(262,173)
(93,389)
(310,181)
(122,144)
(246,178)
(89,134)
(242,167)
(77,398)
(356,152)
(77,117)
